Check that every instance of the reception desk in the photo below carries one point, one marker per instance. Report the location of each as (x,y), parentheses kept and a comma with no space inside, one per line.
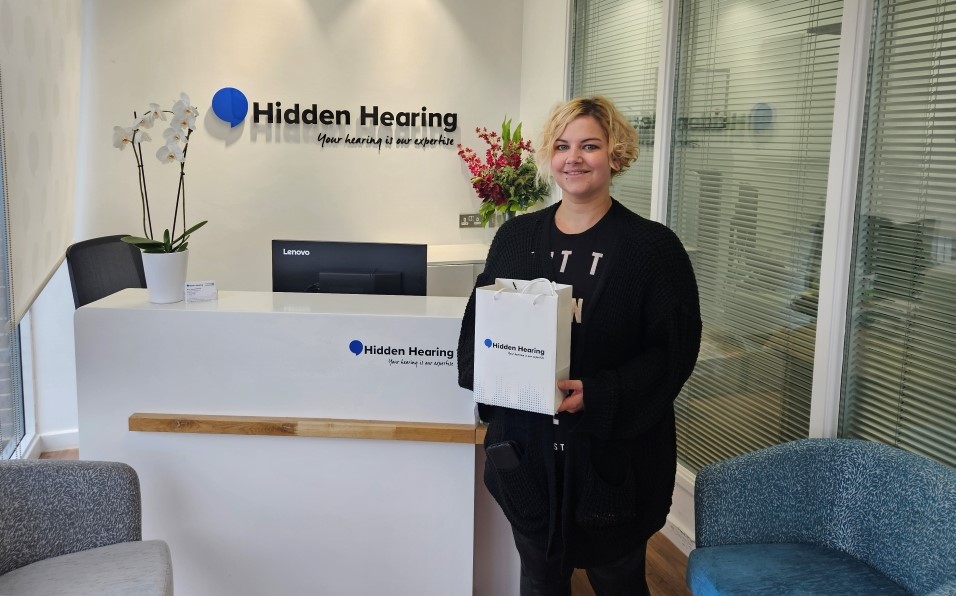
(295,443)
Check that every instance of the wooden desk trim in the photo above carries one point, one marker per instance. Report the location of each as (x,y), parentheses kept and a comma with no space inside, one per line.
(306,427)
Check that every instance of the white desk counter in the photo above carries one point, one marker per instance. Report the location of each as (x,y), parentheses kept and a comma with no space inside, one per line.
(278,514)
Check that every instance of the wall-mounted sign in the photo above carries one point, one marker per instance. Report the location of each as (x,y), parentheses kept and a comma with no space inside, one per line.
(230,105)
(375,126)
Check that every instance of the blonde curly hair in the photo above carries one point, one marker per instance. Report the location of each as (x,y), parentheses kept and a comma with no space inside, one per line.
(621,134)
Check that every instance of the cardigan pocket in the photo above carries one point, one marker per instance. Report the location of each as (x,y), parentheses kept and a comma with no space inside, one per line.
(520,498)
(602,504)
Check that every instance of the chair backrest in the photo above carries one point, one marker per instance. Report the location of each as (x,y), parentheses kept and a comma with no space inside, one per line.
(892,509)
(102,266)
(56,507)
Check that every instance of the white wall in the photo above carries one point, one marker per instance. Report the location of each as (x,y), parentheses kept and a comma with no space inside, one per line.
(484,61)
(53,381)
(451,56)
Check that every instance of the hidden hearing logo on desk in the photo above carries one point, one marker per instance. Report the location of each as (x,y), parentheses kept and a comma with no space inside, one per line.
(408,356)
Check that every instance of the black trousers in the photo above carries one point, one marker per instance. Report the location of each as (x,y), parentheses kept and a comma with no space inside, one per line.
(542,573)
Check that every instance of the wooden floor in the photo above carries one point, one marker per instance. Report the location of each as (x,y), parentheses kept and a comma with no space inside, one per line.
(65,454)
(666,564)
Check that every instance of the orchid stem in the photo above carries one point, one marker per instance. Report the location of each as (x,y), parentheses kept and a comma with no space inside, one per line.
(144,196)
(181,190)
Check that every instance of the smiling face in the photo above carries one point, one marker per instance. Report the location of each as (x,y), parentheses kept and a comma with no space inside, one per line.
(581,164)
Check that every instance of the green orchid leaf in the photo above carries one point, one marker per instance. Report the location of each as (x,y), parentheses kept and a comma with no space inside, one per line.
(505,133)
(178,247)
(516,137)
(167,245)
(141,243)
(191,230)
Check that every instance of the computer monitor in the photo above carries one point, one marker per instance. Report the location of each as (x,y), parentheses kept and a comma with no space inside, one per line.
(349,267)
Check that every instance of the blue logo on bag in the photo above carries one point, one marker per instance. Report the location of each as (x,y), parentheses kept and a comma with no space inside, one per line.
(356,347)
(516,350)
(230,105)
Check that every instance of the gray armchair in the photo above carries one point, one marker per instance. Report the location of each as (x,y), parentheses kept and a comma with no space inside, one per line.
(74,527)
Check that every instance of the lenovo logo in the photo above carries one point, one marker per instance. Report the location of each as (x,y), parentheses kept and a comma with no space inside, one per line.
(295,253)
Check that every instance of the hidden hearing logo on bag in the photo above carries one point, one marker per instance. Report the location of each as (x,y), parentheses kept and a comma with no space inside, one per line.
(515,350)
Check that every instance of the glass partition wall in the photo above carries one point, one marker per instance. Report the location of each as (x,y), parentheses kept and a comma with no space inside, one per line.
(750,150)
(11,395)
(899,374)
(616,53)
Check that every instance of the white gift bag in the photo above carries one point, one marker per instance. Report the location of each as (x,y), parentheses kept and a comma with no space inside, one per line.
(522,343)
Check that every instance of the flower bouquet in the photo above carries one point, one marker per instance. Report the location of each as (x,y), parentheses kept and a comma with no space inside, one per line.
(506,180)
(176,143)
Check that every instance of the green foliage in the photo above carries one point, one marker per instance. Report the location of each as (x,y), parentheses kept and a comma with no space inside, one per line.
(178,244)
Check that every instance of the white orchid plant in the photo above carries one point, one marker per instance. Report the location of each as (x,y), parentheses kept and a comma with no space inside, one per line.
(176,139)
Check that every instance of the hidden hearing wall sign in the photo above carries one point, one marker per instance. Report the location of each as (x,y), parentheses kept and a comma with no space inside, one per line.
(374,126)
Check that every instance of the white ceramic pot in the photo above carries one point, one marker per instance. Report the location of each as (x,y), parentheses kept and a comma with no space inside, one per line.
(166,276)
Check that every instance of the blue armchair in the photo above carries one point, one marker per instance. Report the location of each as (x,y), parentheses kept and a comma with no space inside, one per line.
(74,527)
(825,516)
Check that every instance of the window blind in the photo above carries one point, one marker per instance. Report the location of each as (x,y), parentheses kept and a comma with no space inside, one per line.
(753,112)
(11,400)
(616,49)
(41,63)
(900,365)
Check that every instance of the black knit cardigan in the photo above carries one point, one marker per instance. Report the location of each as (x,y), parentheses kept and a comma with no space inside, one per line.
(639,346)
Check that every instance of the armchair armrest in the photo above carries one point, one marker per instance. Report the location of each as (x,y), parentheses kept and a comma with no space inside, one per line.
(50,508)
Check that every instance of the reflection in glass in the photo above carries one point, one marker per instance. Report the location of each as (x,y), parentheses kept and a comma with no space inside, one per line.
(751,139)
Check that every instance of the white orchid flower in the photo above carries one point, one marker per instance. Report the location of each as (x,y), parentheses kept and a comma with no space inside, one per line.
(122,137)
(170,152)
(156,112)
(174,134)
(183,109)
(144,121)
(141,136)
(185,122)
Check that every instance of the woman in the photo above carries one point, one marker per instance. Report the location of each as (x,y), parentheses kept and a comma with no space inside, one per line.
(595,482)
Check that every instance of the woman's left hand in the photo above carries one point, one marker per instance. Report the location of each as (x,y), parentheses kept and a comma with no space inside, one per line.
(574,402)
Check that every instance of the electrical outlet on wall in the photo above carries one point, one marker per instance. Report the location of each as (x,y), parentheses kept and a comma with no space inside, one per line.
(469,220)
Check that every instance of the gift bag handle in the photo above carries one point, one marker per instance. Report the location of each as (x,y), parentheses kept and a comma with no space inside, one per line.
(524,289)
(543,280)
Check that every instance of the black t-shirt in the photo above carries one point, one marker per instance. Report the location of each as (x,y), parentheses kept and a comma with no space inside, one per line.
(577,259)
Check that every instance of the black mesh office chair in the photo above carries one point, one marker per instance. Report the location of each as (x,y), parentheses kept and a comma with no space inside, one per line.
(103,266)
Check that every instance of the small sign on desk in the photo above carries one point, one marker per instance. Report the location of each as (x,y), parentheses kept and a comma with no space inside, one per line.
(201,291)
